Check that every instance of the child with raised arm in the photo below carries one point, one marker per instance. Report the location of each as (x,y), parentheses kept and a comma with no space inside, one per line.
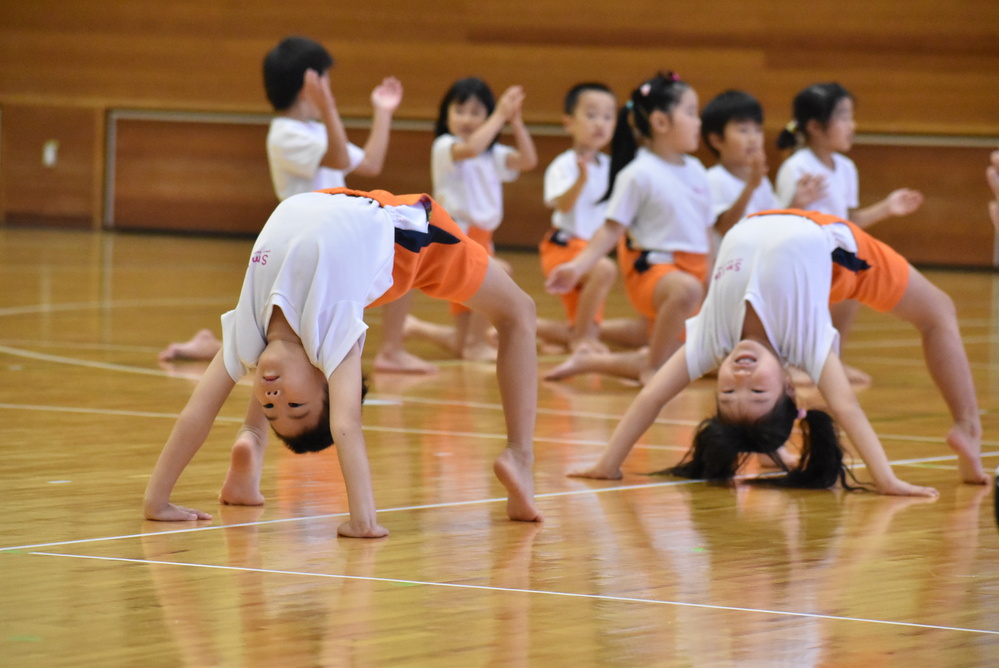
(659,216)
(732,129)
(575,185)
(767,306)
(469,167)
(821,132)
(308,149)
(321,259)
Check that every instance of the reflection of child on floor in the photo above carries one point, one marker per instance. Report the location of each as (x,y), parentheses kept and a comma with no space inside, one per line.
(320,260)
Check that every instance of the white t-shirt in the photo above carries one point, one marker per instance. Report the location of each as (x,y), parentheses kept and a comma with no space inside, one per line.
(726,188)
(665,207)
(471,190)
(588,214)
(295,149)
(321,258)
(782,265)
(842,182)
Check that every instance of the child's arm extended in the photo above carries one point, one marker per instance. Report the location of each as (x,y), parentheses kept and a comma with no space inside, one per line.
(187,437)
(484,135)
(899,202)
(318,90)
(345,425)
(385,99)
(525,157)
(667,382)
(565,276)
(836,390)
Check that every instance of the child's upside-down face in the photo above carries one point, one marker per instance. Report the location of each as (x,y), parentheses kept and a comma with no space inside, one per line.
(289,388)
(750,382)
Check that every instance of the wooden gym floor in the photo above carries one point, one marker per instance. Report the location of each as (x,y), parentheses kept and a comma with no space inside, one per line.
(643,571)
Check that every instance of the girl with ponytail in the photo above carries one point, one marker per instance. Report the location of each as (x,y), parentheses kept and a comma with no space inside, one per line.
(659,216)
(768,307)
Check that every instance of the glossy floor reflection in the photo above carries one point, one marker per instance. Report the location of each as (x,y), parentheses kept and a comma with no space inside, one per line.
(642,571)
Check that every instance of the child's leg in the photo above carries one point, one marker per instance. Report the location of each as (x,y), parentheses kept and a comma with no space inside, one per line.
(246,461)
(512,313)
(441,335)
(843,314)
(628,365)
(627,332)
(933,314)
(392,356)
(676,297)
(596,286)
(472,337)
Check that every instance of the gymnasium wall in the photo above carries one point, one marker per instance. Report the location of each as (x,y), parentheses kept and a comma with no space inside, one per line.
(155,114)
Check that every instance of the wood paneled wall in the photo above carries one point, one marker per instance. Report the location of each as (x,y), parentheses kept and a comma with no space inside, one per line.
(915,67)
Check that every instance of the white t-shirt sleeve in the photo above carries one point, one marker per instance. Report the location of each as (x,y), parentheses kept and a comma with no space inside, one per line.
(625,199)
(500,154)
(787,181)
(562,174)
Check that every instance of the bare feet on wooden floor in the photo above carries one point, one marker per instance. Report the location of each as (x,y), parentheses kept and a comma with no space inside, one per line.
(202,346)
(242,482)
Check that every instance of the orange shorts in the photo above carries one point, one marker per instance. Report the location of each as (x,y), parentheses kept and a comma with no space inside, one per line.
(641,278)
(483,238)
(876,276)
(445,265)
(557,248)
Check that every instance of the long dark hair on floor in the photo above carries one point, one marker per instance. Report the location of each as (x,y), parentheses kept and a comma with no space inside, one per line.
(720,448)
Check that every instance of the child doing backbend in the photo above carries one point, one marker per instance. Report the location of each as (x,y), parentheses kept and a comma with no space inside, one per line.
(659,216)
(320,260)
(767,306)
(822,131)
(469,167)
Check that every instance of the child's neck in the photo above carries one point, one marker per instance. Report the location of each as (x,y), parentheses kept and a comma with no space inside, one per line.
(300,111)
(278,328)
(823,153)
(739,171)
(663,150)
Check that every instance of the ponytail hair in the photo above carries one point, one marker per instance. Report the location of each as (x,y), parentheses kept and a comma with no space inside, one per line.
(721,447)
(815,103)
(660,93)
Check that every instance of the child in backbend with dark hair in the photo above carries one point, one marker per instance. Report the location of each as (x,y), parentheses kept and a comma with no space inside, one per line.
(822,132)
(768,306)
(659,216)
(321,259)
(469,167)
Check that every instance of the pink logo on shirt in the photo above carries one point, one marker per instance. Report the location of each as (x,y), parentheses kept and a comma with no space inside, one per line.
(260,257)
(731,265)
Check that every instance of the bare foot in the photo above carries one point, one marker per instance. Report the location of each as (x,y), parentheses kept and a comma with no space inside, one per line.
(588,345)
(479,352)
(514,470)
(856,376)
(242,482)
(442,335)
(566,369)
(201,346)
(400,361)
(969,457)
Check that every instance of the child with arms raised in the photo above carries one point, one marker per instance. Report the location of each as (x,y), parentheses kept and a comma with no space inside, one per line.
(308,149)
(821,133)
(469,167)
(575,185)
(320,260)
(767,306)
(659,216)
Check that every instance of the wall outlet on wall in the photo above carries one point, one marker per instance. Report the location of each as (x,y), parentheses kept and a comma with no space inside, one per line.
(50,153)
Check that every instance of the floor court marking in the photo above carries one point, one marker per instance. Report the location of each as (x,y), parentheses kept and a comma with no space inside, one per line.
(541,592)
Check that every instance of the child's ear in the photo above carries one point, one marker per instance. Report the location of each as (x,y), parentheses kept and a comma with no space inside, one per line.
(813,128)
(567,122)
(660,121)
(715,141)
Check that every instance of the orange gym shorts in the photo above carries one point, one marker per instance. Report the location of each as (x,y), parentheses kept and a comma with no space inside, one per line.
(446,265)
(641,277)
(559,247)
(877,275)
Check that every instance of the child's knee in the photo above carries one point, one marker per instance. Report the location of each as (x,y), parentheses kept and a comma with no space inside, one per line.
(603,272)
